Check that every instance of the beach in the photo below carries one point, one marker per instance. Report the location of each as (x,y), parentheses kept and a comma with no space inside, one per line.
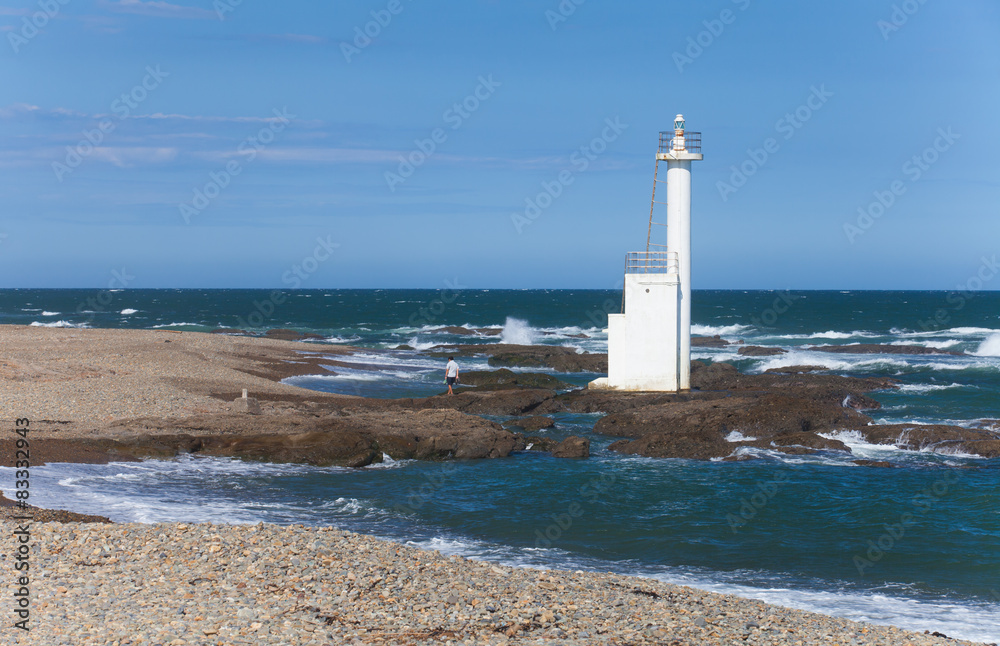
(95,395)
(177,584)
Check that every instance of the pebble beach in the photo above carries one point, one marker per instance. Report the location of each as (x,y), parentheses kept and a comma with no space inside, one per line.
(180,584)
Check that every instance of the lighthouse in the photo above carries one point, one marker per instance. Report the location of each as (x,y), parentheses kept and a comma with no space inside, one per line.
(649,342)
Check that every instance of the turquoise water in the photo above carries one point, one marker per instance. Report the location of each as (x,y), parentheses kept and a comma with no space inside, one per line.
(916,546)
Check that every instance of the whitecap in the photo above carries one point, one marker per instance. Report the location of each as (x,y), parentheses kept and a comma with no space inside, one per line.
(990,347)
(51,313)
(718,330)
(59,323)
(128,311)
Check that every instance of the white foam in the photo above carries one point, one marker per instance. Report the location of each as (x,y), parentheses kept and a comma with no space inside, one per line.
(340,339)
(920,389)
(518,332)
(127,311)
(990,347)
(162,325)
(59,323)
(736,436)
(718,330)
(51,313)
(938,345)
(417,344)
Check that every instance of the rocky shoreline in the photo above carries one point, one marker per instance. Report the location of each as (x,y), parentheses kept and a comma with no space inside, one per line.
(177,584)
(133,396)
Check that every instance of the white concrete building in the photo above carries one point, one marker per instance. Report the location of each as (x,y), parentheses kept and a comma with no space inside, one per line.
(649,343)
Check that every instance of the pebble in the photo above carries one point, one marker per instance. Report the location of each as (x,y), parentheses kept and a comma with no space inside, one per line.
(268,584)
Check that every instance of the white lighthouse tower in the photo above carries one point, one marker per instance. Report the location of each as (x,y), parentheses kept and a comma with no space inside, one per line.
(649,343)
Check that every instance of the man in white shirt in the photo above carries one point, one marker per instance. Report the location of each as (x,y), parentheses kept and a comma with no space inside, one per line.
(451,374)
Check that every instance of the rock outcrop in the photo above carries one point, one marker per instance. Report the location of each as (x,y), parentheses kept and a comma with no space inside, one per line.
(572,447)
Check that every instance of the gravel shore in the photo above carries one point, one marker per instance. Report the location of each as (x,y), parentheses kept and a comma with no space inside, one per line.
(178,584)
(95,376)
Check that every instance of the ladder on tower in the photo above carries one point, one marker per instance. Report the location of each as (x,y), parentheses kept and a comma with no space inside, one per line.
(650,245)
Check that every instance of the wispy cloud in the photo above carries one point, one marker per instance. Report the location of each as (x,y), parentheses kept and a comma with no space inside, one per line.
(157,9)
(13,11)
(305,39)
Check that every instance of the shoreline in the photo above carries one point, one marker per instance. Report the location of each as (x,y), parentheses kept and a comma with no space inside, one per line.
(179,583)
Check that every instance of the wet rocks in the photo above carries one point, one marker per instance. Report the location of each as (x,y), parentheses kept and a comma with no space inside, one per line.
(504,378)
(708,342)
(532,424)
(572,447)
(760,351)
(505,355)
(283,334)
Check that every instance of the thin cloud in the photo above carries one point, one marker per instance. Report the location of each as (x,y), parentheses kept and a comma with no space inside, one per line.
(158,9)
(305,39)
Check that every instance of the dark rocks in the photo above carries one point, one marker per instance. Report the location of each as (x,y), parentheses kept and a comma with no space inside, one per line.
(532,424)
(233,331)
(404,346)
(504,378)
(572,447)
(514,401)
(535,443)
(795,370)
(880,348)
(760,351)
(504,355)
(708,342)
(453,329)
(882,464)
(292,335)
(939,438)
(785,413)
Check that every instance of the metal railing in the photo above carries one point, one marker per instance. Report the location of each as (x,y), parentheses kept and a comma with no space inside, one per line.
(692,142)
(651,262)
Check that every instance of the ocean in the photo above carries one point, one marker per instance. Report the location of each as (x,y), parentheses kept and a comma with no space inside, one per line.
(916,546)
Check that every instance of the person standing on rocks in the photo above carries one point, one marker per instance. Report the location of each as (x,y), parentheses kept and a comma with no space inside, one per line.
(451,374)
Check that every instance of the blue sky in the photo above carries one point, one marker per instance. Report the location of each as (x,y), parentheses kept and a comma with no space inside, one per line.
(115,113)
